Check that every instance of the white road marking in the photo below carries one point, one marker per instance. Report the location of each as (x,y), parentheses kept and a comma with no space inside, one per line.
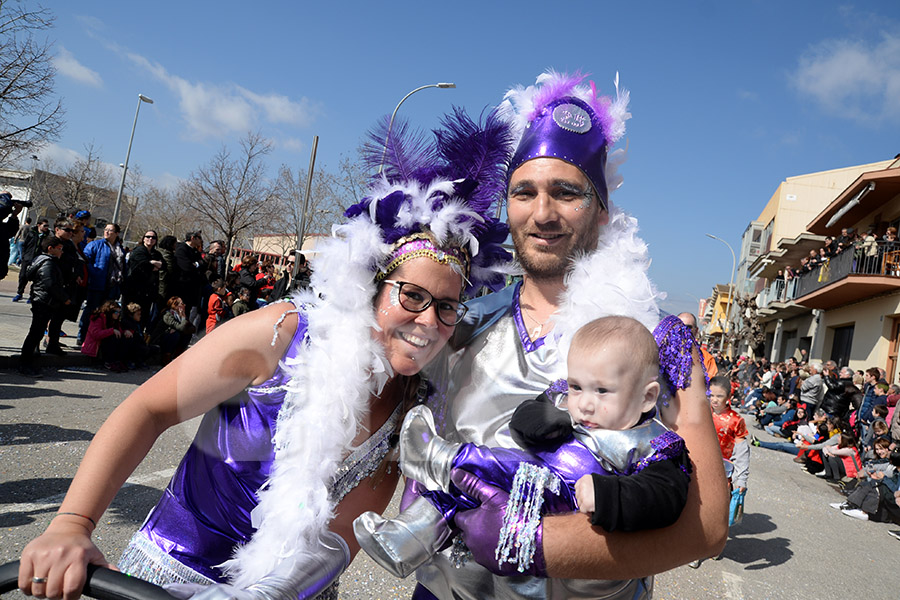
(54,501)
(734,586)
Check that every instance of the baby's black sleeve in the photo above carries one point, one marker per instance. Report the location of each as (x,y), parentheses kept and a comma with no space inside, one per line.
(537,423)
(650,499)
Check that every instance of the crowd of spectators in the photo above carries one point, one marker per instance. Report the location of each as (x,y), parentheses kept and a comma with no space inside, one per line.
(872,254)
(840,426)
(133,305)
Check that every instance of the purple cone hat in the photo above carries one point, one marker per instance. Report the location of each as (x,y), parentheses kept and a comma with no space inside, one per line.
(560,117)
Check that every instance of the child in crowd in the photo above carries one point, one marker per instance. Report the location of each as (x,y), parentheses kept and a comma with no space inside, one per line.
(48,297)
(217,310)
(173,331)
(104,336)
(732,432)
(602,448)
(135,346)
(878,430)
(242,304)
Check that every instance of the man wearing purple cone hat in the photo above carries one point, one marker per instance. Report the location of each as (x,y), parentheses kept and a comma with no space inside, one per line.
(582,260)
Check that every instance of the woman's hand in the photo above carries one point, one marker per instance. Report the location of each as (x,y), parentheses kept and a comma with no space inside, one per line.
(60,555)
(117,333)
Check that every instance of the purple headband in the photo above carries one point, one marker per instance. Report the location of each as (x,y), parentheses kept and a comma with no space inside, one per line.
(568,129)
(421,244)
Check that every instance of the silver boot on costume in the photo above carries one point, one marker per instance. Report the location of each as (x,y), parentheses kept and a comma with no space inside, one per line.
(425,456)
(402,544)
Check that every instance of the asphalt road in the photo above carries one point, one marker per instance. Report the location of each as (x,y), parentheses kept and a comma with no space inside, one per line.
(791,544)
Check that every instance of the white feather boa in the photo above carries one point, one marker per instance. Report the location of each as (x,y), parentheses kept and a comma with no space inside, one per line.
(611,280)
(331,382)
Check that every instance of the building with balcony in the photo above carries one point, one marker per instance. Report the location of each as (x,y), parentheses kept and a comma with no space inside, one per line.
(856,295)
(779,238)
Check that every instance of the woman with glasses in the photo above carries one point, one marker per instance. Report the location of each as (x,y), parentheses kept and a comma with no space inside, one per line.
(302,398)
(145,264)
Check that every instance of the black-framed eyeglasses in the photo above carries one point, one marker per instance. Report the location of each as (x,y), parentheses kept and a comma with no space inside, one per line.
(149,237)
(417,299)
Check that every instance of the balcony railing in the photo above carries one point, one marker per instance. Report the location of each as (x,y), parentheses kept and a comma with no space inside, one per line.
(884,259)
(881,259)
(778,291)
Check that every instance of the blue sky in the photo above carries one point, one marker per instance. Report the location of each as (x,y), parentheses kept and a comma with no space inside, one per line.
(728,99)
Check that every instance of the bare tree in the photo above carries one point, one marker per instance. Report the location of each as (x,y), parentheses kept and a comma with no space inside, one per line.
(86,184)
(325,205)
(351,181)
(233,193)
(166,212)
(29,114)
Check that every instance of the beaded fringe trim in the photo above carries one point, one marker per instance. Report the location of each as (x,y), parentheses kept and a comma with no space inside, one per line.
(365,459)
(145,560)
(523,515)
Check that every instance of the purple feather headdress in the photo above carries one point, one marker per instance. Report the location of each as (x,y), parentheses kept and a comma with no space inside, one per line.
(446,190)
(562,117)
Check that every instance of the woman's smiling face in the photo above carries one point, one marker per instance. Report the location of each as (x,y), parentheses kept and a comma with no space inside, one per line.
(411,340)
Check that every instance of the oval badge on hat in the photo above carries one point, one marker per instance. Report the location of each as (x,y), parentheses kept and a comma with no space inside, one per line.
(572,117)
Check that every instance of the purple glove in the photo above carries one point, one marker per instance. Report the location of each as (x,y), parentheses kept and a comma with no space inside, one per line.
(481,527)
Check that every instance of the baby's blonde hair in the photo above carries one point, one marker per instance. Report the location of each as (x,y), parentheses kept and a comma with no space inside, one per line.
(599,332)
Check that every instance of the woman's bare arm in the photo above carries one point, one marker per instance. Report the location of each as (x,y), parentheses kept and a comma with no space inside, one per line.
(233,356)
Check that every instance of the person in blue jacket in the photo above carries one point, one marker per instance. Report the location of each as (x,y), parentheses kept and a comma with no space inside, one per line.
(106,268)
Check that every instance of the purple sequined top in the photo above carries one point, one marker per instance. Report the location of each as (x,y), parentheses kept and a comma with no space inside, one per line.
(205,510)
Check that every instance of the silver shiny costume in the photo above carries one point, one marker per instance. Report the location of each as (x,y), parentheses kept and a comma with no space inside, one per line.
(495,370)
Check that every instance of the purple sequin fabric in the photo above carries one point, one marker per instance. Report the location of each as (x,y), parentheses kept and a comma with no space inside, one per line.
(560,386)
(676,346)
(667,446)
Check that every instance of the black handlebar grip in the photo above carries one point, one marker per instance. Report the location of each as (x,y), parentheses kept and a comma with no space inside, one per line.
(102,584)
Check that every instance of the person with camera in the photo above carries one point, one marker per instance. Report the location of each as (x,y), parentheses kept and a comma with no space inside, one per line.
(9,227)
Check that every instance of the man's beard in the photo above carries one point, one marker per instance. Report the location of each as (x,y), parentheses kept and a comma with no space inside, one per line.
(553,264)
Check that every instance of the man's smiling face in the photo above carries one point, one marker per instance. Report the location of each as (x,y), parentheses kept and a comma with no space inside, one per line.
(553,216)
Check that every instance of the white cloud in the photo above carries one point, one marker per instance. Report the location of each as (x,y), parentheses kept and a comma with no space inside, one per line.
(168,181)
(748,95)
(858,80)
(281,109)
(291,144)
(56,156)
(91,23)
(68,66)
(212,110)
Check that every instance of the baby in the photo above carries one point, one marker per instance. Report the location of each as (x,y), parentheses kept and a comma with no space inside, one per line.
(603,452)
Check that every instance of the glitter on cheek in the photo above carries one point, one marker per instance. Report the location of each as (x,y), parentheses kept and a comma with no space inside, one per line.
(585,202)
(395,295)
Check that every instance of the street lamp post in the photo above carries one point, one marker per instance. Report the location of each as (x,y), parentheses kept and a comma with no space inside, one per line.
(442,86)
(34,160)
(730,290)
(141,98)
